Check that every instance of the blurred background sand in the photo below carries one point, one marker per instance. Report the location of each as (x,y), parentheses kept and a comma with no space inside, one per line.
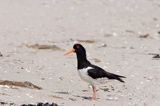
(119,36)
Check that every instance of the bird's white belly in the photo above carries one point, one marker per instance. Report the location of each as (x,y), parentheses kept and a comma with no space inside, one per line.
(84,75)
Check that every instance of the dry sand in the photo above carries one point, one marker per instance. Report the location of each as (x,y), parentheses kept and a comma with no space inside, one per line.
(119,36)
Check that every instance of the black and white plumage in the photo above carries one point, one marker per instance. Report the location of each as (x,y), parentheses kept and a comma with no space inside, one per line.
(89,72)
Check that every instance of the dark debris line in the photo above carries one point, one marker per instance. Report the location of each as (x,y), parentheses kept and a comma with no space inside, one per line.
(156,56)
(38,104)
(7,104)
(41,104)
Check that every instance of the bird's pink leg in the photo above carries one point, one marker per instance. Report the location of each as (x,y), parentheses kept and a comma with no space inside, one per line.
(94,92)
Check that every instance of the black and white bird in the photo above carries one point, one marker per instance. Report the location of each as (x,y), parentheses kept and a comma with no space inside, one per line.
(89,72)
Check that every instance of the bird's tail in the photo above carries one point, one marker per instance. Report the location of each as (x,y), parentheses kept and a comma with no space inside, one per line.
(118,77)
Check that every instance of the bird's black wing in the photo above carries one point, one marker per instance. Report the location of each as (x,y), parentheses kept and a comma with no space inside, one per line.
(98,72)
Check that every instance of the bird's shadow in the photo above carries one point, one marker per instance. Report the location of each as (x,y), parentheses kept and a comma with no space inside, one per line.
(84,97)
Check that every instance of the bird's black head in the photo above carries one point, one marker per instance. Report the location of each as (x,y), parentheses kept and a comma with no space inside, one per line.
(79,49)
(81,55)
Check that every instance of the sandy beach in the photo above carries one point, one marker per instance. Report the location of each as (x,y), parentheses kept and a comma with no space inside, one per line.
(121,36)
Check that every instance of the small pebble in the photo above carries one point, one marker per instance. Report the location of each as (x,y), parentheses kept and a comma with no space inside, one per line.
(61,78)
(141,82)
(144,36)
(72,99)
(84,90)
(42,78)
(1,54)
(113,98)
(96,60)
(108,35)
(103,45)
(131,47)
(155,19)
(115,34)
(27,70)
(105,89)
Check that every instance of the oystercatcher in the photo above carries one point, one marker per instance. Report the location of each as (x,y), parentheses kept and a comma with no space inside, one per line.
(89,72)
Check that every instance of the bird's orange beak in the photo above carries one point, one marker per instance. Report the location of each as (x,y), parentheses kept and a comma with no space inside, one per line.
(69,51)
